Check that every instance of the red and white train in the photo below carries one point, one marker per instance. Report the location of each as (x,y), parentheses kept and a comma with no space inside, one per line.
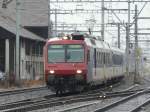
(73,63)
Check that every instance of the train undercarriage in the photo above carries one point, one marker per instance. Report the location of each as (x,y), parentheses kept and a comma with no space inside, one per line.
(63,84)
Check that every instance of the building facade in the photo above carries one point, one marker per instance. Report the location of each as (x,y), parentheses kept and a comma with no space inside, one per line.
(33,35)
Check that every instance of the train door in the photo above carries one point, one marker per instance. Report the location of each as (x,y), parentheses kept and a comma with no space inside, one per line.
(104,66)
(89,65)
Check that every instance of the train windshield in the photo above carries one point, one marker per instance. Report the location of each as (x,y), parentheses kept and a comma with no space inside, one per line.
(65,53)
(75,53)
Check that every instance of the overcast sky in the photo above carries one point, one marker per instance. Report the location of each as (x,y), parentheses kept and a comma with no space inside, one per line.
(110,34)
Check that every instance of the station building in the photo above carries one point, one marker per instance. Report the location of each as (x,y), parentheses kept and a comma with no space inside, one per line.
(33,35)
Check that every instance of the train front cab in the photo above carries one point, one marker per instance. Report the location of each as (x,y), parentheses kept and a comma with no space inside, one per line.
(67,68)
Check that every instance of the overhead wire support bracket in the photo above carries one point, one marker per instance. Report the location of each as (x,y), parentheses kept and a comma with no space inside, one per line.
(121,11)
(5,3)
(143,17)
(94,1)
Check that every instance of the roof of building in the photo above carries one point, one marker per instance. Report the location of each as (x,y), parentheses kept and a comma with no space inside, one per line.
(7,23)
(33,12)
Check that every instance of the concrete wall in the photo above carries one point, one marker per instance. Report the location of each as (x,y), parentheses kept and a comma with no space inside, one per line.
(31,66)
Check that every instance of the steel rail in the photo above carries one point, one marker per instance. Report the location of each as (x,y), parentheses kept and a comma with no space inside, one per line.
(30,105)
(77,107)
(18,91)
(25,102)
(138,108)
(30,101)
(93,1)
(108,95)
(119,102)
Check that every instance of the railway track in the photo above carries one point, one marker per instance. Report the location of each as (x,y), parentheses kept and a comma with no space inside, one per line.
(140,106)
(19,91)
(51,101)
(107,96)
(129,103)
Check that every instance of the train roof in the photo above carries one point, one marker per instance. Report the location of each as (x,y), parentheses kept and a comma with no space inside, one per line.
(97,43)
(90,41)
(54,39)
(115,49)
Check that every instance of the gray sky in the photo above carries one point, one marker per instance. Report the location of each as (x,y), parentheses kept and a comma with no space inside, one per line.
(110,34)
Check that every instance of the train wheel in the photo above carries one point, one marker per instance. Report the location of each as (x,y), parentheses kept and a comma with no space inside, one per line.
(87,87)
(59,93)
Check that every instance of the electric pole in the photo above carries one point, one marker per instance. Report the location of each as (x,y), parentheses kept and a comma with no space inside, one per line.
(129,16)
(118,35)
(102,20)
(127,49)
(128,39)
(136,75)
(18,3)
(49,21)
(56,22)
(4,4)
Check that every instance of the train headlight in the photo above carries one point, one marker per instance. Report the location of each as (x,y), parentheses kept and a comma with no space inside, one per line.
(65,38)
(79,71)
(51,71)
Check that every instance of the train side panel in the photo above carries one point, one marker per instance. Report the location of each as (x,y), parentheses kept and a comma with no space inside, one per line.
(103,66)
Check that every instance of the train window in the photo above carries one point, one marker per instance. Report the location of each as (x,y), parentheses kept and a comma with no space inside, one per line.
(105,55)
(102,58)
(75,46)
(75,52)
(99,57)
(88,55)
(108,58)
(65,53)
(56,53)
(117,59)
(105,58)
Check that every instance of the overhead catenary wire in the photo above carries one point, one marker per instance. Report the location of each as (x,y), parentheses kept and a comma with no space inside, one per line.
(139,13)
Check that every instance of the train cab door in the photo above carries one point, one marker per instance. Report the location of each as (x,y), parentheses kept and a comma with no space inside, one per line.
(90,65)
